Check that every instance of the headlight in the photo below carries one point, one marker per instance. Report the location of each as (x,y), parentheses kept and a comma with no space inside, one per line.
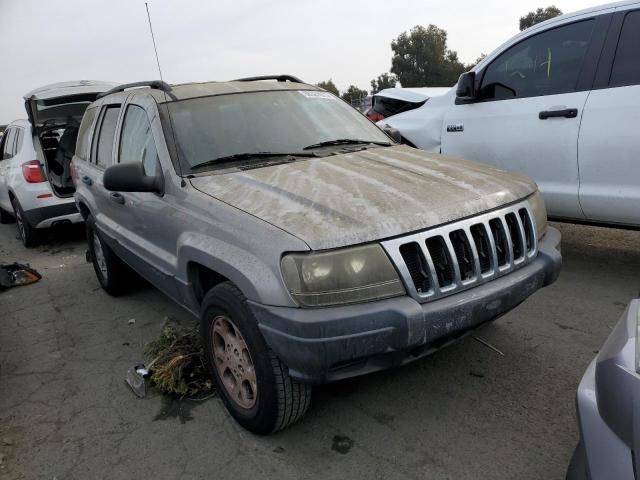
(339,277)
(539,213)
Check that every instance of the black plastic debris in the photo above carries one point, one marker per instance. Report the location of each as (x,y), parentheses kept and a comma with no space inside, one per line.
(17,275)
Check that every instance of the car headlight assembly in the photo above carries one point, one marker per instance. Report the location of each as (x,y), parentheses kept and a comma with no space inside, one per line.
(340,277)
(536,202)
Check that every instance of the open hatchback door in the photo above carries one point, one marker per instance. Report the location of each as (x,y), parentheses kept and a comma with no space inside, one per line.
(55,112)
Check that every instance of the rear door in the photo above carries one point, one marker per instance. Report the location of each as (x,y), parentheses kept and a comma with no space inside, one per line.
(527,119)
(609,144)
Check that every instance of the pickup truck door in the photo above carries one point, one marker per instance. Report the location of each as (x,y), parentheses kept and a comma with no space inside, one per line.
(609,143)
(527,116)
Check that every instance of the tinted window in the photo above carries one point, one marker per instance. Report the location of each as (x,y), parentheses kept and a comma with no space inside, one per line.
(9,140)
(82,147)
(545,64)
(104,147)
(626,67)
(136,141)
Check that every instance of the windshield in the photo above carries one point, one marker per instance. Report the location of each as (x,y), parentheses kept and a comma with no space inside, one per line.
(218,127)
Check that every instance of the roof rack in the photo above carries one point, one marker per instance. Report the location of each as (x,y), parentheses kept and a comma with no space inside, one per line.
(155,84)
(279,78)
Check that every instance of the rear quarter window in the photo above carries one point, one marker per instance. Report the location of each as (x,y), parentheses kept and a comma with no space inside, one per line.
(82,145)
(103,144)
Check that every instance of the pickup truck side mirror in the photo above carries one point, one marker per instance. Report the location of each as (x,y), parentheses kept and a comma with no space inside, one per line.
(394,133)
(466,90)
(130,177)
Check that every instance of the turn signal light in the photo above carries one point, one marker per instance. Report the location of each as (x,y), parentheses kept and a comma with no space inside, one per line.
(32,172)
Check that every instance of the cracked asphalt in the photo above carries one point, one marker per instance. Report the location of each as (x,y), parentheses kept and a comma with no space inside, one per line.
(464,413)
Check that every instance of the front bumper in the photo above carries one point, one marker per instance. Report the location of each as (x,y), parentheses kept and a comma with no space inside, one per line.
(608,409)
(322,345)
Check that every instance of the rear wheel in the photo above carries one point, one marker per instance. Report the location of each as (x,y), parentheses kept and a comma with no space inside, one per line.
(113,274)
(30,236)
(254,384)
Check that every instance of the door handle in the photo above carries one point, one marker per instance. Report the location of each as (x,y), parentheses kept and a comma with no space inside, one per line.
(87,181)
(566,113)
(117,197)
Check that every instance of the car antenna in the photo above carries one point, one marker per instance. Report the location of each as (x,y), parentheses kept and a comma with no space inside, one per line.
(155,49)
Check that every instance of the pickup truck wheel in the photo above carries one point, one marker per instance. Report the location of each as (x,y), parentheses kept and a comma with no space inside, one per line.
(113,274)
(254,384)
(30,236)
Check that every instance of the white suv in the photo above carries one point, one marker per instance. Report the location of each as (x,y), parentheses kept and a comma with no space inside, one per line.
(559,102)
(35,158)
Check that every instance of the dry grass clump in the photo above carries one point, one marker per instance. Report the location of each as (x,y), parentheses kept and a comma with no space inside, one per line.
(178,366)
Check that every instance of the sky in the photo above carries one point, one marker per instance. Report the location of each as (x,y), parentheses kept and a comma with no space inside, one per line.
(348,41)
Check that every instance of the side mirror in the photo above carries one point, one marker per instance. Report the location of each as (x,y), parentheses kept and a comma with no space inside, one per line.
(130,177)
(394,133)
(466,87)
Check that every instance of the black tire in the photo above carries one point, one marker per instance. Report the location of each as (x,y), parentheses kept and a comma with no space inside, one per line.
(5,217)
(113,275)
(280,400)
(30,236)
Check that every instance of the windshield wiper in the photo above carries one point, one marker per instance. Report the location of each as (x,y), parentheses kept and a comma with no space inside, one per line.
(346,141)
(249,156)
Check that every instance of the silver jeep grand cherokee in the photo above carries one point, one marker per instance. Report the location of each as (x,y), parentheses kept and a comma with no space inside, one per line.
(311,245)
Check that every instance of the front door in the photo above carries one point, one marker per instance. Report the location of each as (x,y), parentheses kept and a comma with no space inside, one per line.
(527,118)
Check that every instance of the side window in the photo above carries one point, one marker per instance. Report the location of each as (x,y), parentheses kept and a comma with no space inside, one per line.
(103,145)
(626,66)
(136,141)
(82,147)
(9,140)
(20,134)
(548,63)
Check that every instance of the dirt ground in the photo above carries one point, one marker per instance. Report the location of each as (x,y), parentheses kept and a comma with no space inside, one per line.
(464,413)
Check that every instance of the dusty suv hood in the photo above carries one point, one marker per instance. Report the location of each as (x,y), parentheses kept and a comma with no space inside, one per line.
(365,196)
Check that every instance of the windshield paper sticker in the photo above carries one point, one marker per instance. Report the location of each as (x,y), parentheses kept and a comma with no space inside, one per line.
(316,94)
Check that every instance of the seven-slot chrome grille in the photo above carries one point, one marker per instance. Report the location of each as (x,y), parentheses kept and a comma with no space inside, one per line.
(461,255)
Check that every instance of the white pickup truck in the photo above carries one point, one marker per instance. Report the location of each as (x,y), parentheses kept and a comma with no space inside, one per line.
(559,102)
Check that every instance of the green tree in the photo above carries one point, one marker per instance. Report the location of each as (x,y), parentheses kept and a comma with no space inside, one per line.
(329,86)
(383,81)
(540,15)
(421,58)
(354,96)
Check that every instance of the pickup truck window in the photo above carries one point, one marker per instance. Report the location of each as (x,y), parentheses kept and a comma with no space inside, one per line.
(104,146)
(270,121)
(82,148)
(548,63)
(136,141)
(626,66)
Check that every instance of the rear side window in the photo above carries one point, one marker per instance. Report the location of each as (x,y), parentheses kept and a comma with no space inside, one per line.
(548,63)
(82,147)
(9,140)
(136,141)
(20,134)
(104,144)
(626,66)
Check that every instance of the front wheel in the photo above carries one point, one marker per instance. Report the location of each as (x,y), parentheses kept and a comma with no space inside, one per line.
(254,384)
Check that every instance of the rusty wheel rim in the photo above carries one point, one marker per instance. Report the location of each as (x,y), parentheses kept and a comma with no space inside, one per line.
(233,362)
